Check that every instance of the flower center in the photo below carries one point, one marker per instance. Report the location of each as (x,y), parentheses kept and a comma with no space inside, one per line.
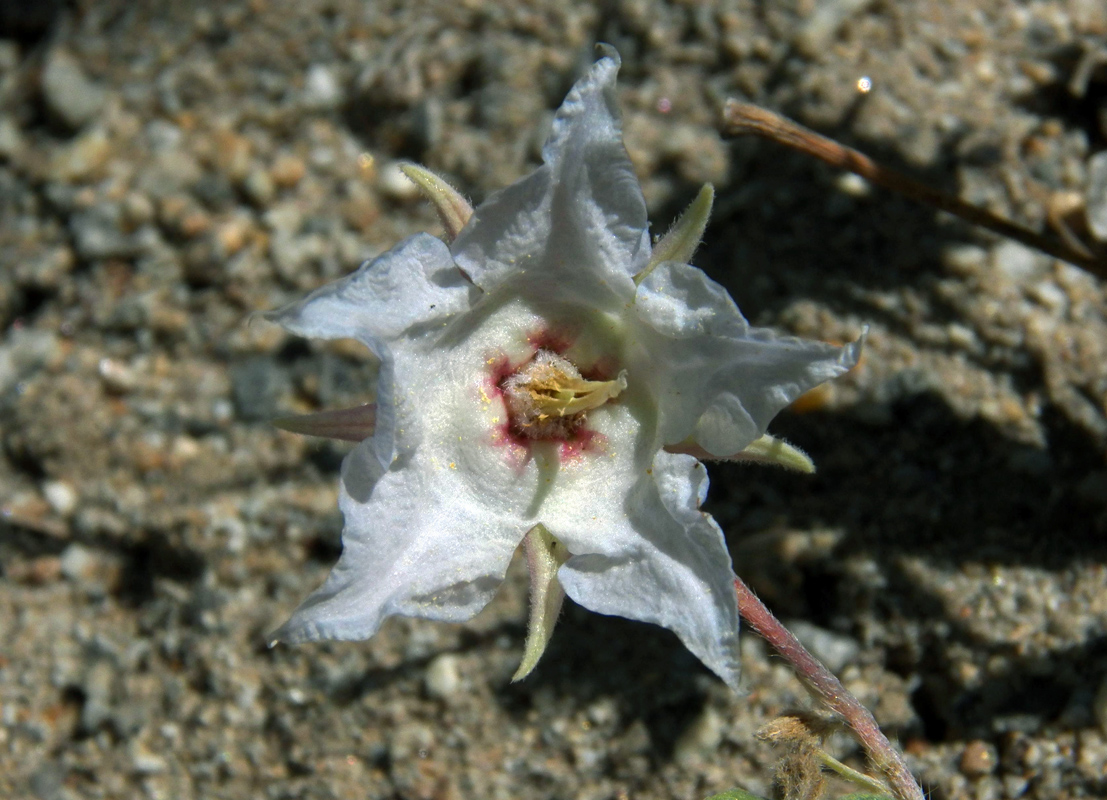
(547,398)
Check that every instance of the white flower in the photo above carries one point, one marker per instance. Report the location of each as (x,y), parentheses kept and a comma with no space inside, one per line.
(548,379)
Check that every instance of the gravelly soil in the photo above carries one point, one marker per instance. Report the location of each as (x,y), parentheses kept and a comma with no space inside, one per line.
(168,169)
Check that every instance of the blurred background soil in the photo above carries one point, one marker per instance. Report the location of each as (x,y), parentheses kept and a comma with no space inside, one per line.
(168,169)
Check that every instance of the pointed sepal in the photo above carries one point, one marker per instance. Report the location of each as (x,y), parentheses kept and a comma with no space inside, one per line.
(347,424)
(680,243)
(766,450)
(453,210)
(544,555)
(770,450)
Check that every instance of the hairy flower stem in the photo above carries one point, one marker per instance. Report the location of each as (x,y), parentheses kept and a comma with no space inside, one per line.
(822,683)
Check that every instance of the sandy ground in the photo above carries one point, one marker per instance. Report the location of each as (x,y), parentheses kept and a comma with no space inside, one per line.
(168,169)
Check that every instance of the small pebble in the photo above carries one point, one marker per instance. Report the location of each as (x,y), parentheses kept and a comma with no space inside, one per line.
(36,572)
(137,209)
(961,336)
(443,677)
(11,139)
(257,385)
(1017,261)
(1050,296)
(9,54)
(77,561)
(816,33)
(395,185)
(116,376)
(82,159)
(259,187)
(232,154)
(288,170)
(964,259)
(91,569)
(69,94)
(833,649)
(97,234)
(978,759)
(97,688)
(321,89)
(1095,202)
(61,496)
(853,185)
(144,762)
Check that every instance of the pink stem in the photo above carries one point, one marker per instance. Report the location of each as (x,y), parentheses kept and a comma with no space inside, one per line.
(822,683)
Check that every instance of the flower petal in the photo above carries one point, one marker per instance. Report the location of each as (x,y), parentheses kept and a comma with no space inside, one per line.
(430,528)
(408,292)
(725,380)
(417,544)
(672,566)
(410,287)
(576,227)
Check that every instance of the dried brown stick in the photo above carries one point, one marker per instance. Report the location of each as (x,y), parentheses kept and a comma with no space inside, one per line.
(741,118)
(822,683)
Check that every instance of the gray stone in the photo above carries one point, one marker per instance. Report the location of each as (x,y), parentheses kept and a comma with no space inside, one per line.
(1095,202)
(97,688)
(395,185)
(1017,261)
(256,386)
(77,562)
(815,34)
(69,94)
(48,782)
(321,88)
(11,139)
(443,678)
(61,496)
(259,187)
(24,351)
(833,649)
(97,234)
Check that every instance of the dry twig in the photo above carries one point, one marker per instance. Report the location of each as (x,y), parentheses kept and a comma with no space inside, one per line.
(742,118)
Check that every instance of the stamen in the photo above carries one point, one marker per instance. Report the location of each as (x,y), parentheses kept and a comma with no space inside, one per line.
(547,398)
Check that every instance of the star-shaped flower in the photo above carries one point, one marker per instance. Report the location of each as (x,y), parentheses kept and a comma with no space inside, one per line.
(548,378)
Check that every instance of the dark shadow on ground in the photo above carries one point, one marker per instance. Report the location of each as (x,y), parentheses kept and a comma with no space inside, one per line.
(927,484)
(922,481)
(644,668)
(1078,92)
